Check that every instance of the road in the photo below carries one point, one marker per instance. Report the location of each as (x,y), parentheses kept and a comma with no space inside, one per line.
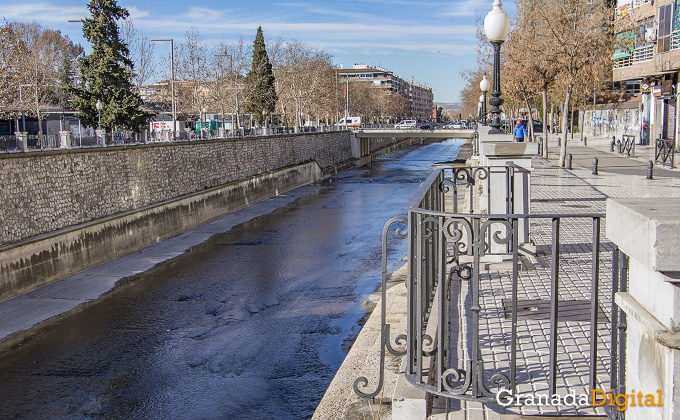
(252,325)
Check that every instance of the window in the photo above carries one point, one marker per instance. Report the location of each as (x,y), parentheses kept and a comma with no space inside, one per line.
(665,28)
(632,86)
(646,31)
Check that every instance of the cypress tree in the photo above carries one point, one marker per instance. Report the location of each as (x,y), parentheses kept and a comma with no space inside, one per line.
(106,73)
(260,82)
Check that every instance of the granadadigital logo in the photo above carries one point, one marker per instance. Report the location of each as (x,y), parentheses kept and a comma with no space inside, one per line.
(596,398)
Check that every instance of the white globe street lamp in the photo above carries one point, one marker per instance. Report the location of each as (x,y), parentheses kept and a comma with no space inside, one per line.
(484,87)
(496,28)
(98,105)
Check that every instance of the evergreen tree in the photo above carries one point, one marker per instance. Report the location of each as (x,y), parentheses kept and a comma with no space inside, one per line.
(260,82)
(106,73)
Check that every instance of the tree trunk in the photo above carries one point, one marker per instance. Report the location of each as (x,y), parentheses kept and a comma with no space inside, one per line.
(582,120)
(531,118)
(545,117)
(565,121)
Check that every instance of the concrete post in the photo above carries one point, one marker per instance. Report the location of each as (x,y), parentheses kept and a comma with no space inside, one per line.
(22,141)
(497,155)
(649,233)
(64,139)
(101,137)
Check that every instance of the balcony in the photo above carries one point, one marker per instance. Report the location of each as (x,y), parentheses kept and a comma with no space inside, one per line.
(645,61)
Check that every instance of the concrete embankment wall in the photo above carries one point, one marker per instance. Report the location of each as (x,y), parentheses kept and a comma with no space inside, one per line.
(67,210)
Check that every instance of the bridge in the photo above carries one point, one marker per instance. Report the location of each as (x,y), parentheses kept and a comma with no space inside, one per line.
(406,133)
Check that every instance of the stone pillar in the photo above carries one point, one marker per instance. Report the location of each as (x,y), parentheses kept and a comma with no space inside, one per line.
(648,232)
(101,137)
(494,200)
(22,141)
(64,139)
(356,145)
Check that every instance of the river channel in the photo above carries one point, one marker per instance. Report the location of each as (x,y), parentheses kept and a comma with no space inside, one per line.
(252,325)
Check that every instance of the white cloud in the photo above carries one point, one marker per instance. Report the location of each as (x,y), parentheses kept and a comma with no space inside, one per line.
(43,12)
(466,8)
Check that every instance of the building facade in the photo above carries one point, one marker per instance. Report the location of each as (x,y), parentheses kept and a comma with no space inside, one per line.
(647,63)
(418,99)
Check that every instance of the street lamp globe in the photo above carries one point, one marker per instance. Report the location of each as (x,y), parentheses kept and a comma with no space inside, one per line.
(98,105)
(496,28)
(484,85)
(497,23)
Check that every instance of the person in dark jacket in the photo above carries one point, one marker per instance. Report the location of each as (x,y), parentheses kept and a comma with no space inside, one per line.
(519,132)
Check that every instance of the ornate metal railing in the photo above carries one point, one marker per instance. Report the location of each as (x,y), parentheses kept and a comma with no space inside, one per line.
(8,142)
(664,152)
(449,327)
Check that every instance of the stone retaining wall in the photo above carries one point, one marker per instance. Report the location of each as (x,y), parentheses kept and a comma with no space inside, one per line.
(47,191)
(66,210)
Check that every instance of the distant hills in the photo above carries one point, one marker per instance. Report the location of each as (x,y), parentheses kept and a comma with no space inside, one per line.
(450,105)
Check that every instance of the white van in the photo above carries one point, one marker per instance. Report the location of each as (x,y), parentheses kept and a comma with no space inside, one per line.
(350,122)
(406,124)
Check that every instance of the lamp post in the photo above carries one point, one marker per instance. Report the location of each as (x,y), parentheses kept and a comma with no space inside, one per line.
(172,81)
(98,105)
(480,109)
(496,28)
(484,87)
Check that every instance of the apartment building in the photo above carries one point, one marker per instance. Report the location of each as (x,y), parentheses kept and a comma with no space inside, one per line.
(647,64)
(418,99)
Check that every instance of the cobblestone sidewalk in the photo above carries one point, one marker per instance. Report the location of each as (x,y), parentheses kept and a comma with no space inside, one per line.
(553,190)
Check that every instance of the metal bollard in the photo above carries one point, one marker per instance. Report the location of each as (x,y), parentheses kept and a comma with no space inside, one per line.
(650,169)
(585,140)
(618,144)
(594,166)
(540,146)
(613,143)
(568,160)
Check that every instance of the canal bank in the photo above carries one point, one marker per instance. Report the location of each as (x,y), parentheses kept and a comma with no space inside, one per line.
(316,307)
(100,204)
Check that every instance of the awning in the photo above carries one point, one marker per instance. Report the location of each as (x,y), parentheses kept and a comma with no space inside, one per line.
(626,40)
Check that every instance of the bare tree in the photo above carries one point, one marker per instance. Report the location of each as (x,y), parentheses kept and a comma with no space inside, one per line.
(305,79)
(141,53)
(36,58)
(577,32)
(192,72)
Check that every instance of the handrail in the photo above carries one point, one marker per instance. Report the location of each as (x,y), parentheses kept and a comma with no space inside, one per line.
(445,277)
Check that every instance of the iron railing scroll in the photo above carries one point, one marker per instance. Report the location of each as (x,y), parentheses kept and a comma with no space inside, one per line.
(385,342)
(451,238)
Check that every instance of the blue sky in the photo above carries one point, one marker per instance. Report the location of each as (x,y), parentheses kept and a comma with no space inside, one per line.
(421,40)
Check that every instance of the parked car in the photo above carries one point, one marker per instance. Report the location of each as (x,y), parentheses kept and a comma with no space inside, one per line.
(406,124)
(538,125)
(428,126)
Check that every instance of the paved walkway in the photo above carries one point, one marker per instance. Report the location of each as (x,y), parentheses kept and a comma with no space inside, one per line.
(557,190)
(609,161)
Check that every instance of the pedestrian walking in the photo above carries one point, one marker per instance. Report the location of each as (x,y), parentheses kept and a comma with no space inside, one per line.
(519,133)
